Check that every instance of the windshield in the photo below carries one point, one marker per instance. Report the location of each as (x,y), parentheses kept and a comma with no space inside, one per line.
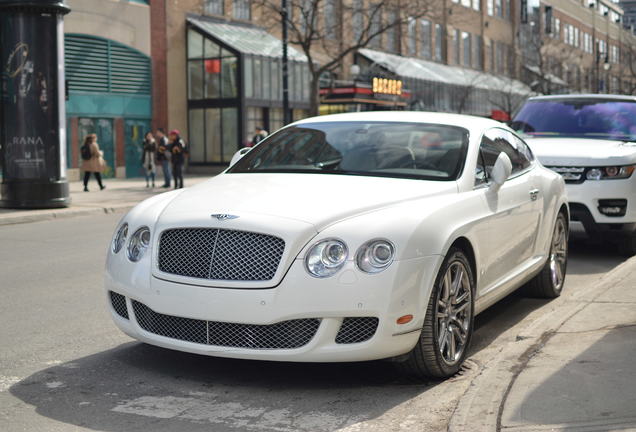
(407,150)
(586,118)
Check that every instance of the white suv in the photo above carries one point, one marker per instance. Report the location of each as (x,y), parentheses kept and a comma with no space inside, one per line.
(591,141)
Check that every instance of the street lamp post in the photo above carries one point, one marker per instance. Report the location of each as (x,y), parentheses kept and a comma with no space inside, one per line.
(284,15)
(32,110)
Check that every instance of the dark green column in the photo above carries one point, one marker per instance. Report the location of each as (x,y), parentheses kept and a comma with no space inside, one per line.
(32,110)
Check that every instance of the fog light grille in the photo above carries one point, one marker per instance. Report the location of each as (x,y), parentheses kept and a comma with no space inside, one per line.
(612,207)
(283,335)
(118,302)
(357,329)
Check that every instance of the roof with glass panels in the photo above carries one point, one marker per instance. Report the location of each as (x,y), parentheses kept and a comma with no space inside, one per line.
(249,40)
(435,72)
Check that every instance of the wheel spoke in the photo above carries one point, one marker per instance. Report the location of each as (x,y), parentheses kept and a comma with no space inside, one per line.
(447,286)
(443,338)
(461,307)
(458,280)
(452,347)
(461,298)
(460,334)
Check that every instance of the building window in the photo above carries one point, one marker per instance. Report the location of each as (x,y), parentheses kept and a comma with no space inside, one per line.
(391,31)
(466,3)
(426,38)
(490,7)
(507,9)
(376,24)
(493,59)
(214,7)
(241,9)
(357,20)
(411,40)
(498,8)
(439,42)
(457,46)
(331,28)
(466,42)
(476,4)
(477,57)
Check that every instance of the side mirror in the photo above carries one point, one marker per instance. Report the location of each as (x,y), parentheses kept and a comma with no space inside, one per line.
(239,154)
(501,171)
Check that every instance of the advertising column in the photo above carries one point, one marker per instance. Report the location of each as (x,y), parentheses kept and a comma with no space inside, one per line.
(32,110)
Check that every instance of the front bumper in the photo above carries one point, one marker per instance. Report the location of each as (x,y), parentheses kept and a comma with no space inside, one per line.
(592,195)
(403,289)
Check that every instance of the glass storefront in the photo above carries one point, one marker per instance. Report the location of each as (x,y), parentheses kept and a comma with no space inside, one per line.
(232,89)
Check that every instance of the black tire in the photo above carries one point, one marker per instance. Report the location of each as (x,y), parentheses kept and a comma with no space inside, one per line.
(426,359)
(548,283)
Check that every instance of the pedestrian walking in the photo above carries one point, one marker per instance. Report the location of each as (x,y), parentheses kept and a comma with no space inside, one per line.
(179,151)
(148,158)
(164,156)
(259,135)
(92,161)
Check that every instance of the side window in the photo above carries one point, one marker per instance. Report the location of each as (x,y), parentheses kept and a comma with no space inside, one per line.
(480,171)
(496,141)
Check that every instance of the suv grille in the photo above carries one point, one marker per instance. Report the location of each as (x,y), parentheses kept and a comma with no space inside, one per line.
(118,302)
(283,335)
(220,254)
(354,330)
(570,174)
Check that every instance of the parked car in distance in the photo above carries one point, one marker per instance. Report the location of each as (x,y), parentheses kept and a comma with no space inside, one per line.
(591,141)
(344,238)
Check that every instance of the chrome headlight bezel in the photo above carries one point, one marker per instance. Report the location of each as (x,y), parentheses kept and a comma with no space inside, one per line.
(121,235)
(372,256)
(326,257)
(138,244)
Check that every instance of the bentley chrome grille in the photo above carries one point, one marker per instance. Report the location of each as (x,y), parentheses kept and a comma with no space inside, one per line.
(282,335)
(220,254)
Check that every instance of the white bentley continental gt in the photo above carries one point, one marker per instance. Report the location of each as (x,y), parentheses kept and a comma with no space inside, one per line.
(344,238)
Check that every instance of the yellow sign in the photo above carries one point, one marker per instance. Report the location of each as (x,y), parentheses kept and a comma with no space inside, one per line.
(387,86)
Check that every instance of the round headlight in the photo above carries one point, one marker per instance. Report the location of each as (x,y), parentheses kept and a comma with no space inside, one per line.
(120,238)
(326,257)
(594,174)
(375,256)
(138,244)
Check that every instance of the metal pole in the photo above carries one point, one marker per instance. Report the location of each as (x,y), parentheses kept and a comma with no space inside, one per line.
(286,116)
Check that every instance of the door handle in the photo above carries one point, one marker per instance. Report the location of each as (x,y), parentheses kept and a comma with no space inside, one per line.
(534,194)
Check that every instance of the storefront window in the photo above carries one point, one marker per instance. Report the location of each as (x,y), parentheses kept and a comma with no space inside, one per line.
(212,70)
(254,119)
(266,79)
(230,132)
(195,45)
(276,80)
(213,134)
(258,84)
(197,136)
(275,119)
(249,77)
(228,77)
(195,79)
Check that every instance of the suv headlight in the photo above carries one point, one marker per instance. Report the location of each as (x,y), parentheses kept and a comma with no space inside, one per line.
(120,238)
(375,256)
(138,244)
(608,173)
(326,257)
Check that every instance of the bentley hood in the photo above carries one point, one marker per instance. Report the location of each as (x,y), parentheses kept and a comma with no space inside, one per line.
(554,151)
(316,199)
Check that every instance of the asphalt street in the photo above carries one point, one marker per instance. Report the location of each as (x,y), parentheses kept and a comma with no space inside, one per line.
(65,367)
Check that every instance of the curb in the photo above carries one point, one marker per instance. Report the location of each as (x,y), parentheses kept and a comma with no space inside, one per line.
(45,215)
(481,407)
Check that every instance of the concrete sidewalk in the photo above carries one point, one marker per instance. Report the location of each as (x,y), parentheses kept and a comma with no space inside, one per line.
(119,195)
(572,368)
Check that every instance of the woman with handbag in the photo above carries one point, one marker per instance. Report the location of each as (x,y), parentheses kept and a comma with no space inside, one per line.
(92,161)
(148,158)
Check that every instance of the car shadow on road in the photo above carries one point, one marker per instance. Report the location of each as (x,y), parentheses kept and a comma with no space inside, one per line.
(141,387)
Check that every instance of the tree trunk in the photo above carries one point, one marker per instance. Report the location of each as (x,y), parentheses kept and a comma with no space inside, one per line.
(314,96)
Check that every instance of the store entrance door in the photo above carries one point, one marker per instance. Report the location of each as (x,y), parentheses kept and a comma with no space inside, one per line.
(135,130)
(103,128)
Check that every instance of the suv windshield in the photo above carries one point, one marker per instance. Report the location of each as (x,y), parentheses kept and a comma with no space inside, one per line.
(586,118)
(407,150)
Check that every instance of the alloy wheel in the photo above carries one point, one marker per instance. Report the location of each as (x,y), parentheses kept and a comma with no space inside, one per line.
(558,254)
(454,312)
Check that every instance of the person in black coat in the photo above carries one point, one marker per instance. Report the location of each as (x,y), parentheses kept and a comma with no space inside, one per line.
(178,151)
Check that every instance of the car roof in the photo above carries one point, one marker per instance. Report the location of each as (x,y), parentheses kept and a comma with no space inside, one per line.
(585,96)
(465,121)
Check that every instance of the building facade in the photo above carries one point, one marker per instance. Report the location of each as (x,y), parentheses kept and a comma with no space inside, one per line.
(109,81)
(217,66)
